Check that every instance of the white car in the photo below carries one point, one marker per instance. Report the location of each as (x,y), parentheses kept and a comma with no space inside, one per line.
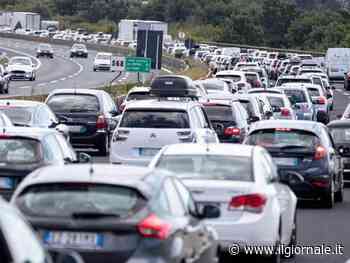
(256,208)
(103,61)
(281,106)
(21,68)
(136,94)
(238,77)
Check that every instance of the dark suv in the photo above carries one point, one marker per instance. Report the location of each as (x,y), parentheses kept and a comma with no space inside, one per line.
(229,120)
(305,149)
(89,114)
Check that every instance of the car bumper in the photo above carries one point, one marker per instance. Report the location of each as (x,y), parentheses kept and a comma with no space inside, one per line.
(80,141)
(115,158)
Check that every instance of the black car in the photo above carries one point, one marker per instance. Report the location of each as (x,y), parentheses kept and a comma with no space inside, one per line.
(340,131)
(23,150)
(229,120)
(44,50)
(305,148)
(4,81)
(30,246)
(89,114)
(119,214)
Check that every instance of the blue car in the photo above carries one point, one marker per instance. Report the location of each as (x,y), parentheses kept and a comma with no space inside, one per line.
(305,149)
(301,101)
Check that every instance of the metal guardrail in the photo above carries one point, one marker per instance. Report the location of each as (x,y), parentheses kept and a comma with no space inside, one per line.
(314,53)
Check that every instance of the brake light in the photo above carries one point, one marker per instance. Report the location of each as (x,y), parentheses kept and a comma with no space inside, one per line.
(348,75)
(252,202)
(4,136)
(285,112)
(322,100)
(154,227)
(320,153)
(232,131)
(283,129)
(320,183)
(101,122)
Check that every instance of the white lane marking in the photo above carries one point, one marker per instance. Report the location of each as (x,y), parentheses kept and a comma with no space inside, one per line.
(24,87)
(70,76)
(347,94)
(24,54)
(63,79)
(53,81)
(42,84)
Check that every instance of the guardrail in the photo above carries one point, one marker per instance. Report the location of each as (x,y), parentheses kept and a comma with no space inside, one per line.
(314,53)
(169,62)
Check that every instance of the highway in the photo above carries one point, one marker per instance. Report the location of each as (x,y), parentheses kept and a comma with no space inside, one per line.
(60,72)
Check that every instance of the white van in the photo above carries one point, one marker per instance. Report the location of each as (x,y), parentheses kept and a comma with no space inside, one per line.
(337,62)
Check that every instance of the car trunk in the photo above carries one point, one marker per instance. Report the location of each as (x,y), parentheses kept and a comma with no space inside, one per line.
(79,124)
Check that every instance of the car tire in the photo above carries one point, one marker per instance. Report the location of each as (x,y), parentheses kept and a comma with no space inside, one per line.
(328,199)
(103,148)
(339,194)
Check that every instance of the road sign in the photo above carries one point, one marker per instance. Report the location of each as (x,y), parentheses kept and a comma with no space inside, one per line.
(137,64)
(118,64)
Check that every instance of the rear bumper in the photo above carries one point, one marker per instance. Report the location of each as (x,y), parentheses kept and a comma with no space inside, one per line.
(102,67)
(91,140)
(115,158)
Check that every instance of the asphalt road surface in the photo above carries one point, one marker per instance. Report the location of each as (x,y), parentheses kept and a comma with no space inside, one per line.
(60,72)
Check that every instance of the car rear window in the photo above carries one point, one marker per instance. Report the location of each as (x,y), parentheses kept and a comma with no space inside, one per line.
(235,78)
(212,86)
(297,96)
(219,113)
(276,101)
(314,92)
(248,107)
(74,103)
(162,119)
(280,82)
(211,167)
(18,115)
(251,77)
(282,137)
(139,96)
(67,199)
(20,151)
(340,134)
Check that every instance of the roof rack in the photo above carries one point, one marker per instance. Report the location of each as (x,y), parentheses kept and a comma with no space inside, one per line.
(174,86)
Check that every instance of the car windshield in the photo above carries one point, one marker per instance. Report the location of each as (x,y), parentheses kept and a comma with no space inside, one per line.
(67,200)
(235,78)
(162,119)
(103,57)
(18,115)
(297,96)
(340,135)
(211,167)
(282,137)
(19,151)
(139,96)
(20,61)
(79,46)
(74,103)
(314,92)
(276,101)
(219,113)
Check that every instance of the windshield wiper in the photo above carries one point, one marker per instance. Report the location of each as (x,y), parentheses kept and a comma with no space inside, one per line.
(88,215)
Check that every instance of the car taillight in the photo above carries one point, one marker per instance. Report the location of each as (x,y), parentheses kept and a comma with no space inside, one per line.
(154,227)
(101,122)
(320,183)
(285,112)
(252,203)
(322,100)
(348,75)
(320,153)
(232,131)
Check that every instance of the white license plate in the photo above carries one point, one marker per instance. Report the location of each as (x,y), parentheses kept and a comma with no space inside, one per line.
(73,239)
(286,161)
(76,129)
(6,183)
(148,151)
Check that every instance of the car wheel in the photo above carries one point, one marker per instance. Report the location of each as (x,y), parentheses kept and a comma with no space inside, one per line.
(339,194)
(95,69)
(103,148)
(328,200)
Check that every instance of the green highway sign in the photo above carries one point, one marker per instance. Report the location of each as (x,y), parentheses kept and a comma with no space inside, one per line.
(137,64)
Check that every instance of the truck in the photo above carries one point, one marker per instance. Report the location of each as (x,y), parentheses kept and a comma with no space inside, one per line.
(337,63)
(20,20)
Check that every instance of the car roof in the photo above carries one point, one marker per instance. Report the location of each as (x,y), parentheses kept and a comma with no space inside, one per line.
(205,149)
(293,77)
(230,72)
(29,132)
(276,95)
(139,89)
(77,91)
(311,126)
(161,104)
(339,124)
(121,175)
(104,53)
(20,103)
(295,86)
(23,57)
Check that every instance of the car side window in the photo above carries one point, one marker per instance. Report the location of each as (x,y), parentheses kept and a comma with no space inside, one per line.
(270,165)
(42,117)
(195,118)
(177,206)
(52,149)
(261,167)
(29,249)
(202,118)
(160,204)
(186,197)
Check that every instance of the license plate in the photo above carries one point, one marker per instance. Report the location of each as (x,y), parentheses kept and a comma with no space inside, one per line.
(148,151)
(73,239)
(286,161)
(7,183)
(77,129)
(201,205)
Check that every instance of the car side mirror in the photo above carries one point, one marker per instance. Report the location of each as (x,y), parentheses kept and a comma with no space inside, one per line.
(291,178)
(84,158)
(65,257)
(209,211)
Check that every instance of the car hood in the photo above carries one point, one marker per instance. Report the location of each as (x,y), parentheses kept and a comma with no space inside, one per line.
(19,67)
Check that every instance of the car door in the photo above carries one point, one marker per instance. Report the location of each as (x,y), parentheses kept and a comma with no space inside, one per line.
(196,228)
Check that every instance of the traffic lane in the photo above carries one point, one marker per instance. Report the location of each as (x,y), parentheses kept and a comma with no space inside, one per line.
(341,100)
